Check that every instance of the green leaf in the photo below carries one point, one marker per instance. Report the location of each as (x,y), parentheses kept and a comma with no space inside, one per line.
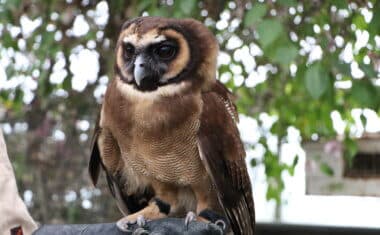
(4,95)
(66,84)
(11,6)
(292,167)
(295,161)
(143,5)
(162,11)
(359,21)
(47,43)
(343,68)
(287,3)
(269,31)
(255,14)
(364,93)
(316,80)
(350,150)
(8,41)
(363,119)
(118,6)
(254,162)
(326,169)
(369,70)
(339,4)
(273,193)
(19,95)
(374,25)
(188,6)
(285,55)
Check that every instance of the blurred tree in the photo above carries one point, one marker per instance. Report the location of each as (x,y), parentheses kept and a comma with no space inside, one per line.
(294,63)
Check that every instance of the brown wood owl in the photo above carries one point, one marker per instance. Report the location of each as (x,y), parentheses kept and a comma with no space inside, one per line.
(167,136)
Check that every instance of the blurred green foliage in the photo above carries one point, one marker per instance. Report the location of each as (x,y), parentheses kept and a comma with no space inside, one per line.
(296,64)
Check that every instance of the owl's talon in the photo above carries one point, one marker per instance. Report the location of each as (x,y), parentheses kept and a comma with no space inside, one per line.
(140,231)
(125,225)
(140,221)
(211,227)
(191,216)
(220,223)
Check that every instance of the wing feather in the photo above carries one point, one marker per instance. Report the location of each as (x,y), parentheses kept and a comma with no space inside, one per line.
(96,164)
(106,155)
(95,160)
(223,154)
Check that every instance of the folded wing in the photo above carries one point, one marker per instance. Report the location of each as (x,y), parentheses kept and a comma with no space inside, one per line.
(223,154)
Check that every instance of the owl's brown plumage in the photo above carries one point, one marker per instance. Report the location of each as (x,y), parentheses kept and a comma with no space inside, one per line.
(167,136)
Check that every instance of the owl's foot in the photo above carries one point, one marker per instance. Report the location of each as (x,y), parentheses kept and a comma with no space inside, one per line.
(191,216)
(214,218)
(125,224)
(140,231)
(156,209)
(221,224)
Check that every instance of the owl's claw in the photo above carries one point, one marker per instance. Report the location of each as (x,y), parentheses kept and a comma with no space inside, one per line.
(140,221)
(124,226)
(140,231)
(221,224)
(191,216)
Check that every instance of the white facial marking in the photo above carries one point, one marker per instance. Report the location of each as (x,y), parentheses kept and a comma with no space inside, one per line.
(158,39)
(145,40)
(163,91)
(132,38)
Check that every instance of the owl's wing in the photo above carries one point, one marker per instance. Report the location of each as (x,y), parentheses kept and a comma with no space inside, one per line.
(96,164)
(223,154)
(105,154)
(95,160)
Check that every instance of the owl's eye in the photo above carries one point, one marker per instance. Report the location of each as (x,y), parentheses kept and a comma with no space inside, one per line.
(129,50)
(165,52)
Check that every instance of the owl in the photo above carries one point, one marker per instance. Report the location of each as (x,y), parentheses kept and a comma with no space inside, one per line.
(166,135)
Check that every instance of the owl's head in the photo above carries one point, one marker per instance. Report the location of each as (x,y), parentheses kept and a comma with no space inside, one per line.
(154,52)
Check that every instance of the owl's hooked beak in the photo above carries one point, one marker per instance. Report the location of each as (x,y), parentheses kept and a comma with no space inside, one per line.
(144,77)
(140,71)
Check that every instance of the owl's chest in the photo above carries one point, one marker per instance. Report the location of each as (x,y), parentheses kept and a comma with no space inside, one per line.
(171,156)
(162,143)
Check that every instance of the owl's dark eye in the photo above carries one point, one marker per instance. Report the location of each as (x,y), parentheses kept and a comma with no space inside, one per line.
(129,50)
(166,52)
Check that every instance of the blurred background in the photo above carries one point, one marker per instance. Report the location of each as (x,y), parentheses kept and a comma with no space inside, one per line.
(306,75)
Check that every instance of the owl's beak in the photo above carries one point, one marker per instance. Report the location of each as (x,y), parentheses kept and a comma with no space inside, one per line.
(140,71)
(145,78)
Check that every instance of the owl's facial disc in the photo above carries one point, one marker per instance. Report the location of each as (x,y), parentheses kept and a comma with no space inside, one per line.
(148,64)
(151,63)
(149,56)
